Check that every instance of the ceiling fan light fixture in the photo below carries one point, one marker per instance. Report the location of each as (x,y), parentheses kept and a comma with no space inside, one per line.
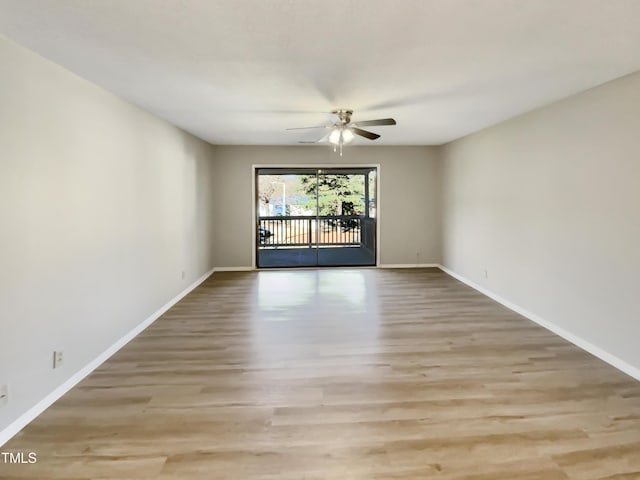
(341,135)
(334,136)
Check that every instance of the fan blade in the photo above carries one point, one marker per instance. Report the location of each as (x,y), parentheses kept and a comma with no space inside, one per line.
(306,128)
(323,139)
(331,117)
(370,123)
(365,133)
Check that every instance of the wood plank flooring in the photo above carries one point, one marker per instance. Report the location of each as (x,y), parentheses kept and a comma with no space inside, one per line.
(341,374)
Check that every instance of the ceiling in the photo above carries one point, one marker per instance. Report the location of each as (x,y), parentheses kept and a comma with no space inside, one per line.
(242,71)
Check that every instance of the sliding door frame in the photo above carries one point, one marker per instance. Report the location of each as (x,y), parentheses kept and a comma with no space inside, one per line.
(328,166)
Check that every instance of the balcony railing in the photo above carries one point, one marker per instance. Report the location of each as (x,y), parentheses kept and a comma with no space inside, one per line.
(306,231)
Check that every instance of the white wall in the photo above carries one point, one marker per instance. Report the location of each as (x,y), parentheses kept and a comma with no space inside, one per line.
(102,206)
(409,209)
(549,204)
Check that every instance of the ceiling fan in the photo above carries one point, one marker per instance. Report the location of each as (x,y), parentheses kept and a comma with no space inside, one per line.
(343,131)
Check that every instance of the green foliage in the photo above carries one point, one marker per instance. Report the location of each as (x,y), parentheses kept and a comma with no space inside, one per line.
(333,190)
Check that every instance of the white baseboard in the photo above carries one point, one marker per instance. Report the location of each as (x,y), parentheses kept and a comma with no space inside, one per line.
(408,265)
(552,327)
(233,269)
(42,405)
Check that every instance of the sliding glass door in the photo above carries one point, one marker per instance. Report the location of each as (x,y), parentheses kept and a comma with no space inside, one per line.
(315,217)
(286,218)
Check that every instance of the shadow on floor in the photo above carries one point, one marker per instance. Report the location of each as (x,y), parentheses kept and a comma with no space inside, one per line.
(311,257)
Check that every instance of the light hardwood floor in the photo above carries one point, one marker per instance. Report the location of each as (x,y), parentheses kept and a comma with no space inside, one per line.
(346,375)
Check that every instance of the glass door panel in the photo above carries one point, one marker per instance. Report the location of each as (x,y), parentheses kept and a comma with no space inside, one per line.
(286,218)
(346,228)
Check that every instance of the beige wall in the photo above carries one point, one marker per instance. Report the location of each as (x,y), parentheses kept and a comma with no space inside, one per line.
(102,206)
(549,204)
(409,209)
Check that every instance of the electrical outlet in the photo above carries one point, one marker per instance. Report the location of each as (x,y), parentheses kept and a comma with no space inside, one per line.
(58,358)
(486,273)
(182,275)
(4,395)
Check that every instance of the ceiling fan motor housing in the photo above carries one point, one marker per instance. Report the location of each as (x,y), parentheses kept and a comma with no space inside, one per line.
(344,116)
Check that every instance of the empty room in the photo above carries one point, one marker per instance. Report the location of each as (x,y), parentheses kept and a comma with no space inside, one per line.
(319,240)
